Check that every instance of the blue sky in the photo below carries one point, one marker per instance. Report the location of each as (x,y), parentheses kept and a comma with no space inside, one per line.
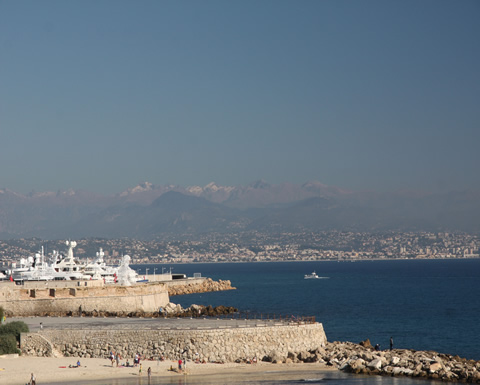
(102,95)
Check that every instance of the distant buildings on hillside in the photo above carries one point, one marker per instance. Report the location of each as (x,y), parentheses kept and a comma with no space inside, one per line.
(255,246)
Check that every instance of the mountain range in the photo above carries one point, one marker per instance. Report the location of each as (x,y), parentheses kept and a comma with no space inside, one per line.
(147,211)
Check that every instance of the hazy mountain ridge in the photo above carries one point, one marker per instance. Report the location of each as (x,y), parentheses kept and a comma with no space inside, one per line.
(148,210)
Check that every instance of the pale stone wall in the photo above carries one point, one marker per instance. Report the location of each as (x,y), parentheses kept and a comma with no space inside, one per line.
(225,345)
(61,284)
(20,301)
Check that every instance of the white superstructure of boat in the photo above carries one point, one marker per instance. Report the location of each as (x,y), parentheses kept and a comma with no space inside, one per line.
(67,267)
(98,269)
(32,269)
(311,276)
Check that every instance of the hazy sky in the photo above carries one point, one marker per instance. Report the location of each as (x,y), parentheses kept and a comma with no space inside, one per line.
(102,95)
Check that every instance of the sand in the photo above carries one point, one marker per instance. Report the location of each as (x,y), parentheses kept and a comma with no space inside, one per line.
(17,370)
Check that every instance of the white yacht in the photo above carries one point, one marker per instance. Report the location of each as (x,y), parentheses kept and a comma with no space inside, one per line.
(32,269)
(68,267)
(311,276)
(98,269)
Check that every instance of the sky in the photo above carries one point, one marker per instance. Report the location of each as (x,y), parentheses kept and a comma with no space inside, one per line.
(363,95)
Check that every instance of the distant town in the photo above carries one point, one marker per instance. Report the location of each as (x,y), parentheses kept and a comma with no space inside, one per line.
(259,247)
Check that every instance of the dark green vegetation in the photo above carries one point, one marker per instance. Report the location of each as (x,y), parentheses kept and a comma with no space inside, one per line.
(10,335)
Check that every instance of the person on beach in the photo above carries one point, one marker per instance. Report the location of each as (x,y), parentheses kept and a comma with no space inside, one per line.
(180,365)
(140,370)
(33,380)
(391,343)
(149,373)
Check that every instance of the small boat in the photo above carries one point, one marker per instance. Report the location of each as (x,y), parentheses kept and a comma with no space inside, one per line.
(311,276)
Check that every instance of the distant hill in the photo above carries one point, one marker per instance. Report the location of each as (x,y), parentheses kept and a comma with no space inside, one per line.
(147,210)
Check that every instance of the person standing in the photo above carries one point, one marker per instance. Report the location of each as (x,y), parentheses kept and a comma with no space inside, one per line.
(149,373)
(391,343)
(33,380)
(140,370)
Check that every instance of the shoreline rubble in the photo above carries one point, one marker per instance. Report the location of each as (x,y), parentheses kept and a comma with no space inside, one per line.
(357,359)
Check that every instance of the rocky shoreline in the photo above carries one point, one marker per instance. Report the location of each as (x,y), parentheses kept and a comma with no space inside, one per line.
(359,359)
(206,286)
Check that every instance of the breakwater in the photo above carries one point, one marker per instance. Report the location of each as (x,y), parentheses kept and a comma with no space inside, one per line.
(358,359)
(200,285)
(221,343)
(402,362)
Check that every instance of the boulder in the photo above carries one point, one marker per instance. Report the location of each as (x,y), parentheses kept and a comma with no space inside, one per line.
(435,367)
(375,364)
(395,360)
(366,344)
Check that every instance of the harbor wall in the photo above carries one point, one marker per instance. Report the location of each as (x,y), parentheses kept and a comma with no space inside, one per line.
(214,345)
(197,285)
(27,301)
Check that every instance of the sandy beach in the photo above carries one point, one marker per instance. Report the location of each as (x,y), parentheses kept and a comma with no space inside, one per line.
(17,370)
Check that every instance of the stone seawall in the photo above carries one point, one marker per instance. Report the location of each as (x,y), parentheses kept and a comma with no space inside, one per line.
(182,287)
(19,301)
(216,345)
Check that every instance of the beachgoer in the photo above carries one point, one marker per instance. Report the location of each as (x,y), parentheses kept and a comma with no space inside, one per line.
(117,359)
(140,370)
(377,347)
(149,372)
(391,343)
(78,363)
(180,364)
(33,380)
(41,325)
(127,364)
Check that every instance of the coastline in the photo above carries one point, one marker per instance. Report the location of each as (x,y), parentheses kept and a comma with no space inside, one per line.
(309,260)
(16,370)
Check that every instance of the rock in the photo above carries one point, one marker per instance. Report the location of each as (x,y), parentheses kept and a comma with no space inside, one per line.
(375,364)
(394,360)
(357,364)
(366,344)
(435,367)
(304,356)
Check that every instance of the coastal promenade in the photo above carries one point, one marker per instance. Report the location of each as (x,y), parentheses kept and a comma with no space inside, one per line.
(37,324)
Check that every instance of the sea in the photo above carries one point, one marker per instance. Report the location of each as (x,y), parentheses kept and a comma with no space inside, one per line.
(421,304)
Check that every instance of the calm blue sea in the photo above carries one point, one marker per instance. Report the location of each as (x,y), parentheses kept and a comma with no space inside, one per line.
(423,305)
